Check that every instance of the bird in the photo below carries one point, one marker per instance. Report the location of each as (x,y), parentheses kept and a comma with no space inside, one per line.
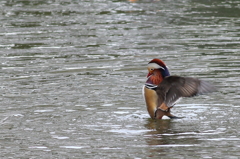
(162,91)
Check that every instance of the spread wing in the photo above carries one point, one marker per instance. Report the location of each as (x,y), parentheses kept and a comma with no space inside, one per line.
(172,88)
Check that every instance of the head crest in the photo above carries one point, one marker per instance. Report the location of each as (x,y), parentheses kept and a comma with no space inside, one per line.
(164,69)
(159,62)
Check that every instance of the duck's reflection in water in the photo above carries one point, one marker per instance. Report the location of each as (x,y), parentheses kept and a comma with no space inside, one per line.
(159,127)
(167,135)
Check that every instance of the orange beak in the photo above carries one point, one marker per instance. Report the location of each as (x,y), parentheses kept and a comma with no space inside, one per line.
(149,73)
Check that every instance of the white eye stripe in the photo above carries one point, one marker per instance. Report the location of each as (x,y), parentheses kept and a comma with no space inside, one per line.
(156,66)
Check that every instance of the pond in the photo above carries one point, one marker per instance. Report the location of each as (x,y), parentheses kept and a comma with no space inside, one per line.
(72,74)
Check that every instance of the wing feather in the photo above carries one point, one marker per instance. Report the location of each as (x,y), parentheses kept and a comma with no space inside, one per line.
(172,88)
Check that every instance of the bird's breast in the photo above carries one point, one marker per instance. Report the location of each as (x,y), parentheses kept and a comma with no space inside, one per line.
(151,100)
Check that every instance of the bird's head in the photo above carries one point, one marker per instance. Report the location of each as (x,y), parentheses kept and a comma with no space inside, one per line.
(157,65)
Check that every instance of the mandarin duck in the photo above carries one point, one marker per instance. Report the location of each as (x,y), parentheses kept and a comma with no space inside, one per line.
(161,91)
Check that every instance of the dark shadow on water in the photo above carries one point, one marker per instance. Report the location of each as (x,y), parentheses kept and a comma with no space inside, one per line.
(161,126)
(169,133)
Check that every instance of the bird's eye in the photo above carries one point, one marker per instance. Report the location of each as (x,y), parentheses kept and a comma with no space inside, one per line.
(152,69)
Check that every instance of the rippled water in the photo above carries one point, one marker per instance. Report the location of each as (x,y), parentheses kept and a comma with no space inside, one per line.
(72,74)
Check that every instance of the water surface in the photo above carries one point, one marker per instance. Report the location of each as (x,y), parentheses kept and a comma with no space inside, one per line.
(72,74)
